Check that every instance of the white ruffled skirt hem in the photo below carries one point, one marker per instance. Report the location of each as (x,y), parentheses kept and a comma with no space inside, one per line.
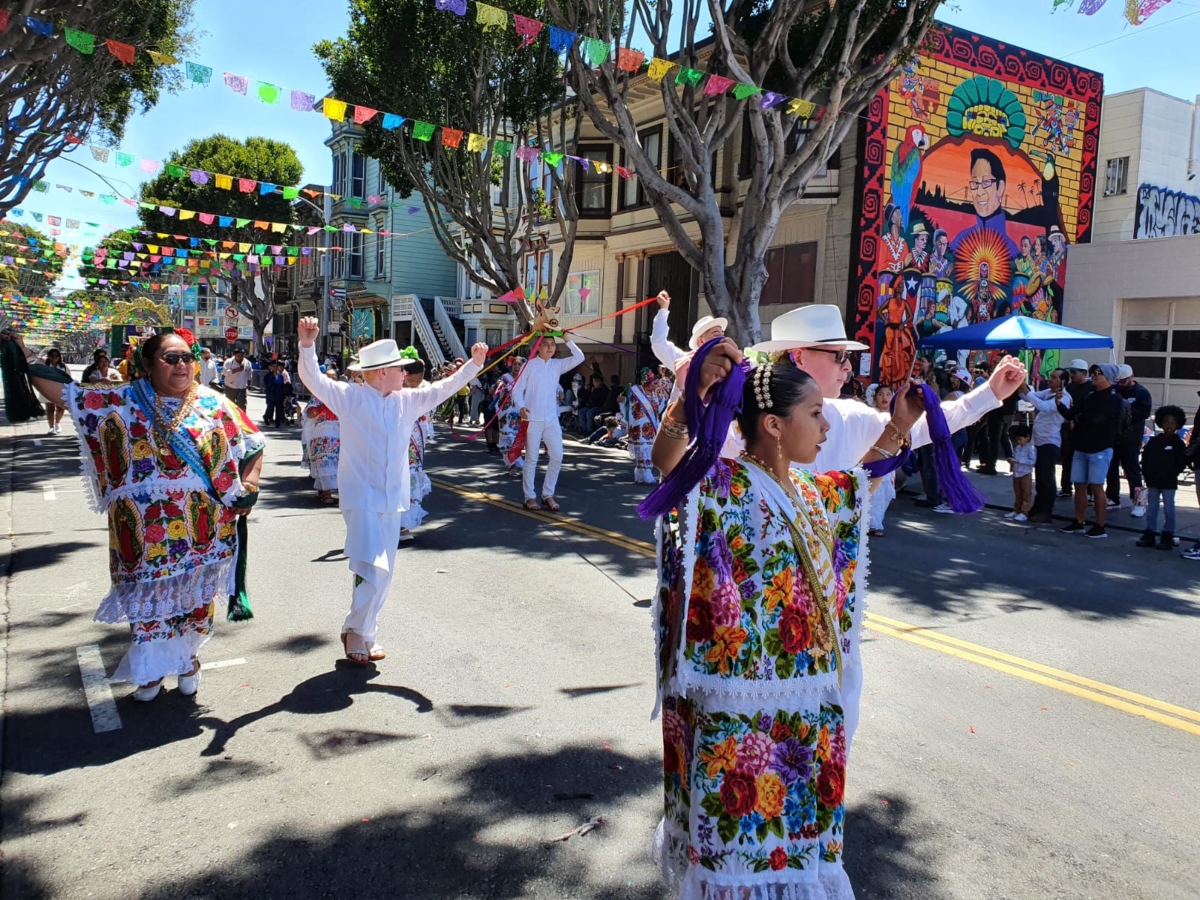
(167,598)
(691,882)
(146,663)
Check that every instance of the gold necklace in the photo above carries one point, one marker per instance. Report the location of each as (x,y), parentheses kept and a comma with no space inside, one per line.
(789,489)
(163,433)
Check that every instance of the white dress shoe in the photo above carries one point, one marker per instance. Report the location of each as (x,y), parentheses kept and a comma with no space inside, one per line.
(189,684)
(147,693)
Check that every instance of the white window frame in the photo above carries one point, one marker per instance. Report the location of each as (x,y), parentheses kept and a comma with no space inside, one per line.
(1116,176)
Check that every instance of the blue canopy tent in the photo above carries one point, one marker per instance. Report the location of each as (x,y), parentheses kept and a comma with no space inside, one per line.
(1014,333)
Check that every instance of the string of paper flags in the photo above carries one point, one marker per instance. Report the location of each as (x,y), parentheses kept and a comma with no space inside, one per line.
(490,17)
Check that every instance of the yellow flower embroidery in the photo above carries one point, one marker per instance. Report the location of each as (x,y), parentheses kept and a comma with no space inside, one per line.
(141,450)
(155,550)
(177,530)
(771,794)
(722,757)
(727,644)
(779,591)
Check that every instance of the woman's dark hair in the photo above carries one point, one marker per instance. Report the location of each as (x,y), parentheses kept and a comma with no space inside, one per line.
(610,422)
(151,347)
(99,352)
(55,351)
(789,387)
(1174,412)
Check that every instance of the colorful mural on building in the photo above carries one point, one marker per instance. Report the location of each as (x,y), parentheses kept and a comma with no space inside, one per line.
(979,168)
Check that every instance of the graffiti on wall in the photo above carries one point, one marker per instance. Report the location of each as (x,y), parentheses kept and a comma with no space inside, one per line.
(1165,213)
(978,174)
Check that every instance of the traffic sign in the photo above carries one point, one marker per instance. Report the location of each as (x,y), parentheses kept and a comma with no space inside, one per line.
(231,334)
(231,312)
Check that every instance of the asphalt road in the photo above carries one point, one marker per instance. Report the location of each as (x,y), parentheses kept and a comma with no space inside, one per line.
(1029,725)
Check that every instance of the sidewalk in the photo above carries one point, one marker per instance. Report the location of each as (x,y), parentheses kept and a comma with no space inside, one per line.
(998,490)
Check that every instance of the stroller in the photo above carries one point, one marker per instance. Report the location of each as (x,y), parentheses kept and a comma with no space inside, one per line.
(291,409)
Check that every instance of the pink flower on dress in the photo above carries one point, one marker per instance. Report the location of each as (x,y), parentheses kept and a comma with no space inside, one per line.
(754,754)
(726,604)
(674,729)
(837,746)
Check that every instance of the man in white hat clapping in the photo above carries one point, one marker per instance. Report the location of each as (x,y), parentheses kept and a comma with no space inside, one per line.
(705,329)
(377,419)
(535,395)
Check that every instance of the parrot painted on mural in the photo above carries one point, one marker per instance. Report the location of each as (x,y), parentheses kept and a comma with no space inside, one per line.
(906,169)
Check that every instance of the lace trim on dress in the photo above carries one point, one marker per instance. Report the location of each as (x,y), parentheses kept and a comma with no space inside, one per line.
(146,663)
(153,601)
(692,882)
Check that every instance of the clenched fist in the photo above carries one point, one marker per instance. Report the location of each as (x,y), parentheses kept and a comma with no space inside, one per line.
(1010,374)
(308,329)
(479,353)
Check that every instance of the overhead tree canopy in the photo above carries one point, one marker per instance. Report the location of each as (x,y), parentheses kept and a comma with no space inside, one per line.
(52,93)
(427,64)
(834,56)
(37,260)
(262,159)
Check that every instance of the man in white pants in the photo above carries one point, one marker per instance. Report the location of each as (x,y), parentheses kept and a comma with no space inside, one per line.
(377,419)
(536,396)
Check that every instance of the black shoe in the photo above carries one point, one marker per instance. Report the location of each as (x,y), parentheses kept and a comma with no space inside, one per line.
(925,504)
(1072,527)
(1096,531)
(1167,541)
(1064,493)
(1148,539)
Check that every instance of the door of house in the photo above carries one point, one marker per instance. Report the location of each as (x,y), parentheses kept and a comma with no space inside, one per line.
(667,272)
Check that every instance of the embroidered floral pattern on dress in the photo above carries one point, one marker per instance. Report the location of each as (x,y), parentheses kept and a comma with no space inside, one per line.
(754,729)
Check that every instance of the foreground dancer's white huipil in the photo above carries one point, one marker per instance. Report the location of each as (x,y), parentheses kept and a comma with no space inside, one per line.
(537,391)
(373,477)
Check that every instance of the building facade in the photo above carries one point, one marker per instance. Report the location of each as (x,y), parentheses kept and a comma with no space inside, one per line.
(1139,282)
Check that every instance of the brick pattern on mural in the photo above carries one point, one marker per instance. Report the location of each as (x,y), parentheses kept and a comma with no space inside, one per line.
(978,173)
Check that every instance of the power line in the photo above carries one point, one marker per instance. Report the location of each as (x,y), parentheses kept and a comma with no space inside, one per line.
(1130,34)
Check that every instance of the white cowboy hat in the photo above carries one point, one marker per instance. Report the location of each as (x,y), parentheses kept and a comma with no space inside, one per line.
(704,324)
(819,325)
(380,355)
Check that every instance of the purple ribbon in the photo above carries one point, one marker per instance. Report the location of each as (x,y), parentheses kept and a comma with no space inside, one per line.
(708,425)
(960,493)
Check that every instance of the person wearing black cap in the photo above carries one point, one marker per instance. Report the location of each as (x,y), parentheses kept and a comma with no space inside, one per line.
(1097,422)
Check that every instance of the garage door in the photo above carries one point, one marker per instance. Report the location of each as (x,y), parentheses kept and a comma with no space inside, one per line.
(1162,344)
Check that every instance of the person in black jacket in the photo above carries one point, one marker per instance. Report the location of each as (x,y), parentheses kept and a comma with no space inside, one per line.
(276,387)
(1079,386)
(1125,454)
(1097,422)
(1163,458)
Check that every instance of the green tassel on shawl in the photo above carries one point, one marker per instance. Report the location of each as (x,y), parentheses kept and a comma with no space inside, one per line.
(20,402)
(239,600)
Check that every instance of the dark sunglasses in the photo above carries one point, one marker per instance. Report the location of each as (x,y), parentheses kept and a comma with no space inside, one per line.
(841,357)
(174,359)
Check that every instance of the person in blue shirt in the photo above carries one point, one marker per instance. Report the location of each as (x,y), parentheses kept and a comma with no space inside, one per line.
(276,386)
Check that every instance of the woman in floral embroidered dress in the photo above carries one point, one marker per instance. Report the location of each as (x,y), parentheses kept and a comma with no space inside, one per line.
(419,485)
(510,421)
(321,436)
(174,464)
(758,615)
(644,406)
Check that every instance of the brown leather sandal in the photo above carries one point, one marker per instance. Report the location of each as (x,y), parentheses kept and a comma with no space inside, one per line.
(551,504)
(532,504)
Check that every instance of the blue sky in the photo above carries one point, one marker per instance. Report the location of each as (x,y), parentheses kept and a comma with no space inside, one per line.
(275,45)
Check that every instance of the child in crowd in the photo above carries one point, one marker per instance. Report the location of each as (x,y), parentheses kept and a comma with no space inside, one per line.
(1163,458)
(885,491)
(1022,461)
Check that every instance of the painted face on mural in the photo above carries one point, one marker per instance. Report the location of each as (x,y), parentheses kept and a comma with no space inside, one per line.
(987,187)
(1026,247)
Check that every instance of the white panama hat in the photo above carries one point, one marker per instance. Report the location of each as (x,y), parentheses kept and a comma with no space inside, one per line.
(703,324)
(380,355)
(819,325)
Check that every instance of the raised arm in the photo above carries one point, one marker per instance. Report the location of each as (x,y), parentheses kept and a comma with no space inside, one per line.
(571,362)
(672,439)
(337,395)
(430,396)
(666,352)
(53,391)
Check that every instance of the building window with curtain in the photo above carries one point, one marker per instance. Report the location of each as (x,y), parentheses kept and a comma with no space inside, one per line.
(593,190)
(380,257)
(632,194)
(339,174)
(582,294)
(358,176)
(791,274)
(354,256)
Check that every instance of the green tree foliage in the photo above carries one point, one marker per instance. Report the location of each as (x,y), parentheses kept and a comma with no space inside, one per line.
(49,90)
(44,260)
(262,159)
(412,59)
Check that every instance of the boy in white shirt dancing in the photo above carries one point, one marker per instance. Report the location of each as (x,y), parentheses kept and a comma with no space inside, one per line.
(536,396)
(377,419)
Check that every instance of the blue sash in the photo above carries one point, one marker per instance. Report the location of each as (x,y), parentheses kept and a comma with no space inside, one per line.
(180,439)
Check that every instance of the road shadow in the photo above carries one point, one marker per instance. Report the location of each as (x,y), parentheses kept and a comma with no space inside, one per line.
(467,847)
(329,692)
(883,858)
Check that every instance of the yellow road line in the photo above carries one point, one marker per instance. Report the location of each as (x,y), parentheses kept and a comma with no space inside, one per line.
(1069,683)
